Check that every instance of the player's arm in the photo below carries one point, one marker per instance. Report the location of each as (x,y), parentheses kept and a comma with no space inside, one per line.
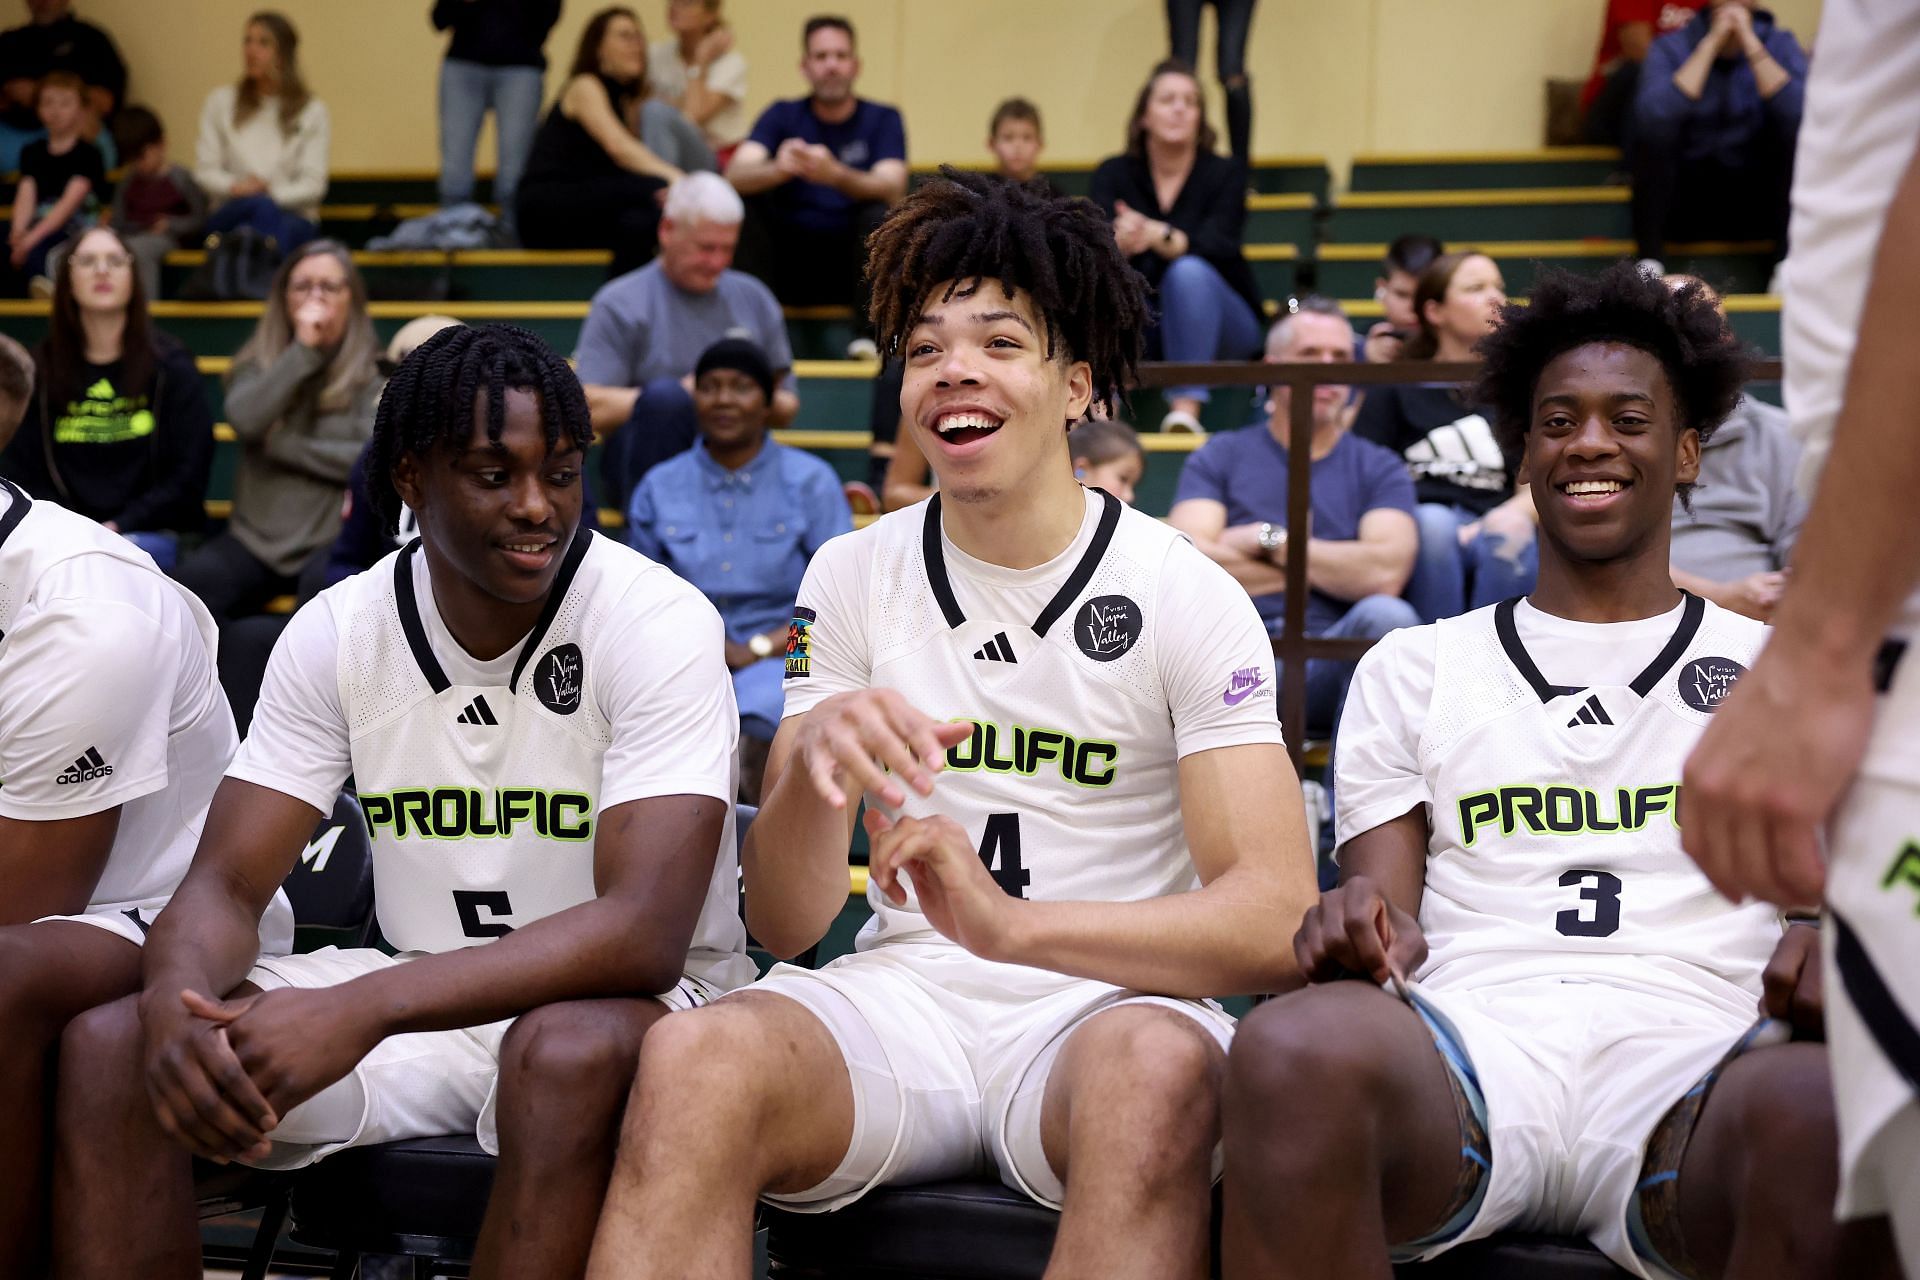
(1773,763)
(50,868)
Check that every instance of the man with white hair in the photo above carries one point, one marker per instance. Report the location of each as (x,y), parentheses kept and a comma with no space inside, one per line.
(647,328)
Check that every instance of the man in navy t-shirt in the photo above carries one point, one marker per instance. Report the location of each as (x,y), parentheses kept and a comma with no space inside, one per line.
(1232,501)
(819,173)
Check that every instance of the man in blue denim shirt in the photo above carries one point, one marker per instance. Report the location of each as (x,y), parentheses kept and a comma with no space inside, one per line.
(739,516)
(1715,119)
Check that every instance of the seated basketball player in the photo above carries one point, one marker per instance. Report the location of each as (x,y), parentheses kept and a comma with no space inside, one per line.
(541,732)
(1556,1027)
(113,735)
(1083,820)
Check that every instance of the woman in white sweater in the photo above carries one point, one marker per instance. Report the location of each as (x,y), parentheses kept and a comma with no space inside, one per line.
(262,154)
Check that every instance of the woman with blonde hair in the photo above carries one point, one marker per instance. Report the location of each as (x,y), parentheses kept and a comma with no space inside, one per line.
(262,152)
(701,74)
(301,399)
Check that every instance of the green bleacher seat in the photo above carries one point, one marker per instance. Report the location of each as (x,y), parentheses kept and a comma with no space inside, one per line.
(1521,213)
(1349,270)
(1440,171)
(478,275)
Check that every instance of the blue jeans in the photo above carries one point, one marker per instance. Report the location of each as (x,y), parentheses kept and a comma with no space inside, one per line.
(288,229)
(1369,618)
(1449,579)
(467,91)
(1235,20)
(1202,318)
(757,689)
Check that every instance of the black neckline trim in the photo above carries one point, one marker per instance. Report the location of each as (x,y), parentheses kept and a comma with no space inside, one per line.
(410,624)
(15,513)
(562,583)
(1063,599)
(1693,609)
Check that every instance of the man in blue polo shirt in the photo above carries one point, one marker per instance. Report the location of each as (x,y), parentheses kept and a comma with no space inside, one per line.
(819,173)
(1232,501)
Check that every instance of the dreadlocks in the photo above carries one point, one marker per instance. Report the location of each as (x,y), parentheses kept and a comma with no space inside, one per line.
(966,228)
(430,400)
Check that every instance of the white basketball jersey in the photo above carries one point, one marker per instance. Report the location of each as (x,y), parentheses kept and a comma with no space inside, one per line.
(1069,783)
(1555,845)
(482,802)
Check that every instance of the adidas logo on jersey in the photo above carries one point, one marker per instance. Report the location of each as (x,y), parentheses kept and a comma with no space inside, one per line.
(1591,712)
(998,649)
(85,769)
(477,712)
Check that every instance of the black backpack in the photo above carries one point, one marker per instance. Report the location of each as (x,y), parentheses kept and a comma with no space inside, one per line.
(239,266)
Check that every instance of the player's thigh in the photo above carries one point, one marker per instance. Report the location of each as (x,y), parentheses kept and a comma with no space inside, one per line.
(1765,1139)
(52,971)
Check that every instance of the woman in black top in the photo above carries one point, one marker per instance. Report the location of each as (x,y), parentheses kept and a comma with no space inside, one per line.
(1476,531)
(605,152)
(118,427)
(1179,212)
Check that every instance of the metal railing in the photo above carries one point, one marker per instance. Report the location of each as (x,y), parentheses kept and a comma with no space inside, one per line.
(1293,646)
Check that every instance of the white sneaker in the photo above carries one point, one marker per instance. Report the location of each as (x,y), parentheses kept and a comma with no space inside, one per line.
(862,349)
(1181,420)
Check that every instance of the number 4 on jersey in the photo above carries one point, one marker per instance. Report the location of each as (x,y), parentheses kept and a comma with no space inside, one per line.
(1001,842)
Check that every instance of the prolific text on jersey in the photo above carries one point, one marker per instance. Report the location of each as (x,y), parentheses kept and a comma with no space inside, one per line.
(1018,749)
(1565,811)
(466,813)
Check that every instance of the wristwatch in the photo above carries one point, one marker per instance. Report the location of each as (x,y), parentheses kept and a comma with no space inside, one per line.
(1271,537)
(760,646)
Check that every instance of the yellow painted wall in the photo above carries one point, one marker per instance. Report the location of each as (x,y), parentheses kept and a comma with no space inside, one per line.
(1331,77)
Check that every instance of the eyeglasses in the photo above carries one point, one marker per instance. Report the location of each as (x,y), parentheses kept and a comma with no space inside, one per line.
(101,261)
(325,288)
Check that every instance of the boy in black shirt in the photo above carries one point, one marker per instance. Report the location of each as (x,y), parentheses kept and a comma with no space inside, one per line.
(60,177)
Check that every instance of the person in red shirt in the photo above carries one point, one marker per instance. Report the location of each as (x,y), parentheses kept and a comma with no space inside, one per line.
(1631,27)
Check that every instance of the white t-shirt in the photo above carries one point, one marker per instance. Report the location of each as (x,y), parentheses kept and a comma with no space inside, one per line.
(483,781)
(1086,678)
(1547,754)
(109,696)
(727,74)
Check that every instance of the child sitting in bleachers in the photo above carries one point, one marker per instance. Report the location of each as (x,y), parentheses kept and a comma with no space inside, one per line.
(60,179)
(159,206)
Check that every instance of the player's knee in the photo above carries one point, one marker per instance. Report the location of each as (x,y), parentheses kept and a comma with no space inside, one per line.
(1782,1107)
(1291,1059)
(27,1015)
(100,1056)
(1168,1062)
(687,1054)
(563,1051)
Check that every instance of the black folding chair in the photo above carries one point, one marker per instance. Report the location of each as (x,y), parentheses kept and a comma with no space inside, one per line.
(332,895)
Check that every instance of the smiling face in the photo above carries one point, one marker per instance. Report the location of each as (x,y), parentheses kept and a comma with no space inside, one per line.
(500,514)
(988,405)
(731,410)
(829,65)
(102,273)
(1604,453)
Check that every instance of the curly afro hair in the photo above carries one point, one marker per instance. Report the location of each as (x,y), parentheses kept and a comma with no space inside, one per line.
(1681,327)
(966,228)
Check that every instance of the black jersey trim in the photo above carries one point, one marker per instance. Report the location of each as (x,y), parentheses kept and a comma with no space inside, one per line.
(15,513)
(1690,614)
(937,565)
(1896,1035)
(410,624)
(562,582)
(1522,660)
(1082,572)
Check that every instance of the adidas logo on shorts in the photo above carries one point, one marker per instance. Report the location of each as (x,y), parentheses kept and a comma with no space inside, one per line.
(85,769)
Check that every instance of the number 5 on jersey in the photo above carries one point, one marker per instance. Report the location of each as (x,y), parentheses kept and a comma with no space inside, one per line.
(1001,843)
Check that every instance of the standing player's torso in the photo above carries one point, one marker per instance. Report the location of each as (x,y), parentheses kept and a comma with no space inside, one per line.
(1555,842)
(1068,784)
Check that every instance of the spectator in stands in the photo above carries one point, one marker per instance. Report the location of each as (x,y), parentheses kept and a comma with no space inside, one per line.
(55,40)
(262,152)
(1732,538)
(1179,212)
(591,181)
(1232,501)
(1476,532)
(1716,115)
(645,332)
(1233,22)
(1407,257)
(1631,26)
(739,516)
(496,61)
(61,180)
(16,388)
(119,429)
(1107,455)
(301,398)
(1014,136)
(819,173)
(157,207)
(701,75)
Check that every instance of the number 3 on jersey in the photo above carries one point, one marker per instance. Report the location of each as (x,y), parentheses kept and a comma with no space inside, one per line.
(1001,842)
(1598,914)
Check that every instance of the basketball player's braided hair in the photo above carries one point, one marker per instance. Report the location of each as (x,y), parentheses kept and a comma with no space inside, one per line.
(1681,327)
(968,228)
(431,396)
